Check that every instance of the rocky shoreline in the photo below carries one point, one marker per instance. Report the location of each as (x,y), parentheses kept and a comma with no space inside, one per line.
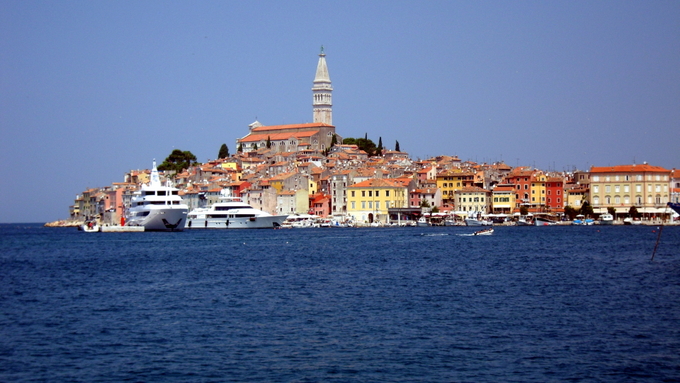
(64,223)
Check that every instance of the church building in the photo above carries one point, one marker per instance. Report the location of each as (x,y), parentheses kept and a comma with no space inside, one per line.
(316,135)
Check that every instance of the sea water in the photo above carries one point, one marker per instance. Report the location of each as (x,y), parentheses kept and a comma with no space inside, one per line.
(526,304)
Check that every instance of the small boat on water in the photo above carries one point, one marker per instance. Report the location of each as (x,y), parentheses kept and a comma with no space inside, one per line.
(488,231)
(542,221)
(477,220)
(631,221)
(606,219)
(90,226)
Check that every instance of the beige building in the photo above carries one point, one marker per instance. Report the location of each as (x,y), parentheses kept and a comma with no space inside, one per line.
(644,186)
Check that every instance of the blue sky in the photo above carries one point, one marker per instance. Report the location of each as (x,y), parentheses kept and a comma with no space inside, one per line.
(92,89)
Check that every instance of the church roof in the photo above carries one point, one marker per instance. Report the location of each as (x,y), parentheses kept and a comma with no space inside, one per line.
(292,126)
(277,136)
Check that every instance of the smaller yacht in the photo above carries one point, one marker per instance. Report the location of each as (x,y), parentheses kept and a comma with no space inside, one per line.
(157,207)
(232,213)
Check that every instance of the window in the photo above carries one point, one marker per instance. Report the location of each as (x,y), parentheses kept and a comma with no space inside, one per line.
(370,204)
(387,193)
(363,193)
(596,188)
(617,189)
(626,188)
(353,205)
(377,205)
(596,178)
(377,193)
(607,189)
(370,193)
(352,193)
(363,204)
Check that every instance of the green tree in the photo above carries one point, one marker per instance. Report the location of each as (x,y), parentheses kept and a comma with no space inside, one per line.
(178,161)
(611,210)
(240,147)
(253,146)
(269,143)
(224,151)
(523,210)
(570,212)
(364,144)
(379,149)
(396,147)
(586,209)
(633,212)
(334,140)
(424,203)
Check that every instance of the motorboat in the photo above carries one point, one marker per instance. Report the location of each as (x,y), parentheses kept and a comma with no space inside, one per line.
(422,222)
(477,220)
(606,219)
(157,207)
(542,221)
(631,221)
(301,221)
(581,220)
(232,213)
(488,231)
(90,226)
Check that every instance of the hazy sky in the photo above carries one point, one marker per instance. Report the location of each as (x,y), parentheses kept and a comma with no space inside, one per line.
(92,89)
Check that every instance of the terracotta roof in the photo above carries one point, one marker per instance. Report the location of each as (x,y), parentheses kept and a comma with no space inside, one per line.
(377,182)
(277,136)
(292,126)
(628,169)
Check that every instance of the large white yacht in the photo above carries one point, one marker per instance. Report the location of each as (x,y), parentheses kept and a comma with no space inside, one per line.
(232,213)
(157,207)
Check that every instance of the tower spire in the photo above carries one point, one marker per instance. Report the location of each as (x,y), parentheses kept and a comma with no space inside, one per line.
(322,102)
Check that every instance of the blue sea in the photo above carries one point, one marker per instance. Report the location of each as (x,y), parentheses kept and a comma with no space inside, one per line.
(527,304)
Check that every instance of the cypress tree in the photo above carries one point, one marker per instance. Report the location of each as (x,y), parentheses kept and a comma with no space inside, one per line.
(224,151)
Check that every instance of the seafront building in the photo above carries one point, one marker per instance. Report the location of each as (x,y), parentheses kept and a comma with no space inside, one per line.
(305,169)
(620,187)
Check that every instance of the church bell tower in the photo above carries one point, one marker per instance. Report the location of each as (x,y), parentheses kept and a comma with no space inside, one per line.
(322,103)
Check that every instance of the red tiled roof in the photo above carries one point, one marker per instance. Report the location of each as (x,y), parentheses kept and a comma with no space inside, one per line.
(292,126)
(277,136)
(628,169)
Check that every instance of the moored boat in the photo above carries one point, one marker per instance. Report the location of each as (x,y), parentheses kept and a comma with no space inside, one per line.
(232,213)
(606,219)
(157,207)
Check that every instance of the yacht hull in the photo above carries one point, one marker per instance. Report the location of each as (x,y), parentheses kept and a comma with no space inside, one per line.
(267,222)
(162,219)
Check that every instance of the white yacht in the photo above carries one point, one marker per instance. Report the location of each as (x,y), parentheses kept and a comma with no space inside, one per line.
(232,213)
(157,207)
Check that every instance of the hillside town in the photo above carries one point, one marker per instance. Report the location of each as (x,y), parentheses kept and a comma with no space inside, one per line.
(308,169)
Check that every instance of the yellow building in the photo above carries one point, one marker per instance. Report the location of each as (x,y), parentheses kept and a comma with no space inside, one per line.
(644,186)
(369,201)
(537,196)
(450,181)
(503,199)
